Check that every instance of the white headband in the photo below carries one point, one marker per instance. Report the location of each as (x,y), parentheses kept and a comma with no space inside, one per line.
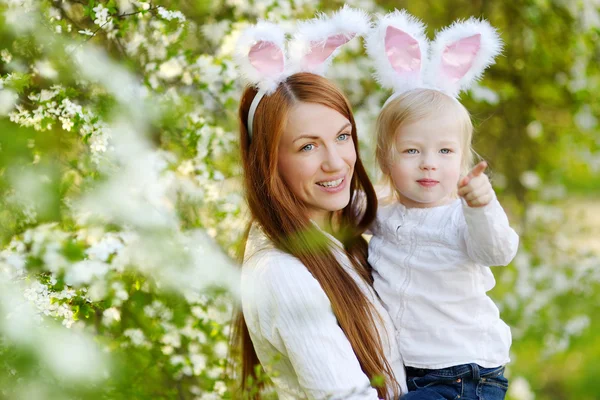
(406,60)
(261,56)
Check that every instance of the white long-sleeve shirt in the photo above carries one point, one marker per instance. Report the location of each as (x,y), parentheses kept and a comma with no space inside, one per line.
(431,270)
(295,332)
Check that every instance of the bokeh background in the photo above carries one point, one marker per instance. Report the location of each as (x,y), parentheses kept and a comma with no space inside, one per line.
(121,211)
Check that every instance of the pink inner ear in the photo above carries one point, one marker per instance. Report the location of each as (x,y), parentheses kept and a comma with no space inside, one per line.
(402,50)
(320,52)
(266,57)
(458,57)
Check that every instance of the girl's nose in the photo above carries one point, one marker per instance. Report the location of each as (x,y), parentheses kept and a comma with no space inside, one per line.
(428,163)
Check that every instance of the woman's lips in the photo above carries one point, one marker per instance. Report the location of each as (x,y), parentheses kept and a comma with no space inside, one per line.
(334,189)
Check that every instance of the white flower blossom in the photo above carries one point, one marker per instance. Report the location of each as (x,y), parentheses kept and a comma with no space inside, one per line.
(86,32)
(110,316)
(85,271)
(221,349)
(5,56)
(482,93)
(170,69)
(530,179)
(109,245)
(45,69)
(519,389)
(170,15)
(535,129)
(136,336)
(198,363)
(8,99)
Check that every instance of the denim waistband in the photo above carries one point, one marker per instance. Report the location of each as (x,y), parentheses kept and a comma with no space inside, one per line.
(469,371)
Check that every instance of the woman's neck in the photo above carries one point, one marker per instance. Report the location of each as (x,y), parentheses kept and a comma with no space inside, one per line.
(325,220)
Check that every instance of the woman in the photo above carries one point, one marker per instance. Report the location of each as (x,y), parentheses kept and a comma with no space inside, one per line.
(310,315)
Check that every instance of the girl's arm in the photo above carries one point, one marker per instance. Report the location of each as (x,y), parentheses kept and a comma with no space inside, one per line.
(296,318)
(488,236)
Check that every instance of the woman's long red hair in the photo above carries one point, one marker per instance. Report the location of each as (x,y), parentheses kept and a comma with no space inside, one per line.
(282,216)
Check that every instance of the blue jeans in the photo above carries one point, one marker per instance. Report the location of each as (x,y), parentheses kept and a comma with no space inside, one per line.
(465,382)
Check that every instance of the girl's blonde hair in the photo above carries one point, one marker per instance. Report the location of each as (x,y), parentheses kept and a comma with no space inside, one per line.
(413,106)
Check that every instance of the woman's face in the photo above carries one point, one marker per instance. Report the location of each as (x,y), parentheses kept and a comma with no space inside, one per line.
(317,157)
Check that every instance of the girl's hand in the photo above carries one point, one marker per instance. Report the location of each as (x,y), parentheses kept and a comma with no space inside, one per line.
(476,188)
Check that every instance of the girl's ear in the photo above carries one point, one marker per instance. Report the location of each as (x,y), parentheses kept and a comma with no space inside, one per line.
(460,54)
(260,55)
(317,41)
(399,47)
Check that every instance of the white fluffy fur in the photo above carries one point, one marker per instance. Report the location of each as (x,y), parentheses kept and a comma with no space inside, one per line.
(491,46)
(430,77)
(346,21)
(268,32)
(385,74)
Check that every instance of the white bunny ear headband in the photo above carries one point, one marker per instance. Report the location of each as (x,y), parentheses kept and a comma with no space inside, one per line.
(261,53)
(405,60)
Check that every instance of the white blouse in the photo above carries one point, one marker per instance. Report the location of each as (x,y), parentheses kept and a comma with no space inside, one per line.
(431,270)
(294,330)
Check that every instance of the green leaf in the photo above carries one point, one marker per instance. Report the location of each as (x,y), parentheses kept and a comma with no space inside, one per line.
(73,251)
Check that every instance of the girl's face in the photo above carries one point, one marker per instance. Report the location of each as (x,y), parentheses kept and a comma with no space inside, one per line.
(426,164)
(317,157)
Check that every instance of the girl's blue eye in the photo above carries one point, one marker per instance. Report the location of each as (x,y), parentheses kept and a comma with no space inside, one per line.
(445,151)
(308,147)
(411,151)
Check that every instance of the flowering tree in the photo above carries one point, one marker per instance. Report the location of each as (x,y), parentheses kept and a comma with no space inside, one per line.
(120,206)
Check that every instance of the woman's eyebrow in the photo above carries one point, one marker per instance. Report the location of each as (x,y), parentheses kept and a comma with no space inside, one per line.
(306,137)
(312,137)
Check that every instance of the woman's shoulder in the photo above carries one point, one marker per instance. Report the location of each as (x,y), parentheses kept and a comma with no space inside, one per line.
(273,275)
(272,262)
(262,257)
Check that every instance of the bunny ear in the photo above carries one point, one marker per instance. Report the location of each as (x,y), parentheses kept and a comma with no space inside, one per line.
(321,51)
(266,58)
(398,46)
(460,54)
(260,56)
(318,40)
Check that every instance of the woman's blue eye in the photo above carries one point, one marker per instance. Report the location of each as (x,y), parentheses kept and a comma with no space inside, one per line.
(308,147)
(445,151)
(344,136)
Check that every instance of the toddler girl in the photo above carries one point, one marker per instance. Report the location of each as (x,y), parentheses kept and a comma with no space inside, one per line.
(442,227)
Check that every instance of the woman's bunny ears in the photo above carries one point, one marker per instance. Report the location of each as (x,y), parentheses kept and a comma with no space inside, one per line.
(405,60)
(261,53)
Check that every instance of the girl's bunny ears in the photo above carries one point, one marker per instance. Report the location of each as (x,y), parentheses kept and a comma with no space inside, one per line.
(261,53)
(405,60)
